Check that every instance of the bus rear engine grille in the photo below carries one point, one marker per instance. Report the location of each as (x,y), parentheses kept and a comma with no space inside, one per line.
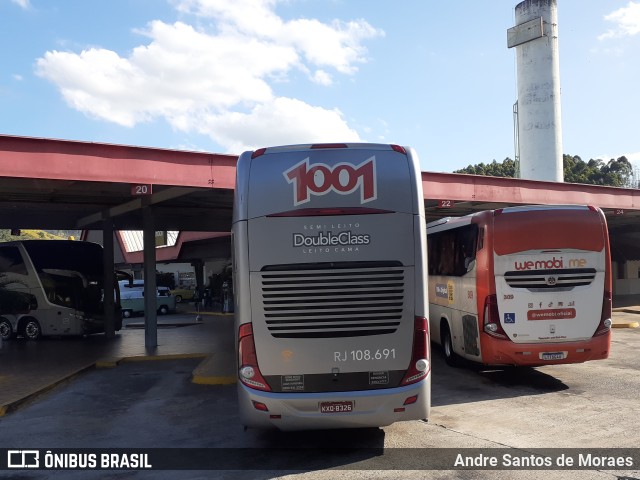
(333,303)
(550,280)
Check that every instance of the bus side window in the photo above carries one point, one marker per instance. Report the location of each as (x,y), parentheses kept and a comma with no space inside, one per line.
(480,239)
(469,243)
(11,261)
(452,252)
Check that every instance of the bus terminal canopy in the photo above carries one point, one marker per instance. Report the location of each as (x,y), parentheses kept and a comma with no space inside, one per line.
(62,184)
(58,184)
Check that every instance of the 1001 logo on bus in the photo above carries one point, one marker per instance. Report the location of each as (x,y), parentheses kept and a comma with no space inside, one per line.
(343,178)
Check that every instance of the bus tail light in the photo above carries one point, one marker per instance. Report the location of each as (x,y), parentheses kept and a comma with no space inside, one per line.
(411,400)
(419,365)
(249,373)
(605,317)
(317,146)
(259,152)
(492,318)
(260,406)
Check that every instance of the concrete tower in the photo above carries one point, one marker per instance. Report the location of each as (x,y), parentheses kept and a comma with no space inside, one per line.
(539,127)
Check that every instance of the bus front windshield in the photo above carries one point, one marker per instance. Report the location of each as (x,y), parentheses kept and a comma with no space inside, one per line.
(70,273)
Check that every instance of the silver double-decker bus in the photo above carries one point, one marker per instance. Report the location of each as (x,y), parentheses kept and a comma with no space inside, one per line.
(330,287)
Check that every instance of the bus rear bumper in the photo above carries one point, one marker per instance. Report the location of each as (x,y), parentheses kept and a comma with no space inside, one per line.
(534,355)
(301,411)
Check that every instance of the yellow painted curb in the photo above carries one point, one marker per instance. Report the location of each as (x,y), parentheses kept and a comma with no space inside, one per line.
(106,364)
(626,325)
(206,380)
(3,410)
(168,356)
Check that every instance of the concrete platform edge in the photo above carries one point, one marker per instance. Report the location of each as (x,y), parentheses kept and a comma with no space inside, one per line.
(14,405)
(111,363)
(217,369)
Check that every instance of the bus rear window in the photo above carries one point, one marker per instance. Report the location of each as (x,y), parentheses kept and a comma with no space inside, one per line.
(554,229)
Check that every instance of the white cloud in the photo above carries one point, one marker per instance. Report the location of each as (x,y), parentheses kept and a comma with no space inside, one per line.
(281,121)
(337,44)
(632,157)
(217,81)
(253,17)
(627,20)
(22,3)
(322,77)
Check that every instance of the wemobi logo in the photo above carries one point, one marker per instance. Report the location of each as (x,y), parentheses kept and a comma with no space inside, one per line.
(550,264)
(343,178)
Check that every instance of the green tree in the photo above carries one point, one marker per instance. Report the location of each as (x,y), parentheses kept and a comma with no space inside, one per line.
(5,235)
(494,169)
(614,173)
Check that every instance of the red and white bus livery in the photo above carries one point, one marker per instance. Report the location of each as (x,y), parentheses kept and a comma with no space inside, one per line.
(521,286)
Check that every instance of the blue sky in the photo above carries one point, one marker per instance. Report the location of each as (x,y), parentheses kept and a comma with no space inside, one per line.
(227,76)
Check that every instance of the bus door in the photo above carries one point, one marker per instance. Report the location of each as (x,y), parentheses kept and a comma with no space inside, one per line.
(453,286)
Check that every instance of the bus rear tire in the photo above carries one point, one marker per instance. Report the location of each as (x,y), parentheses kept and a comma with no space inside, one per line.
(126,313)
(452,359)
(163,310)
(6,331)
(31,329)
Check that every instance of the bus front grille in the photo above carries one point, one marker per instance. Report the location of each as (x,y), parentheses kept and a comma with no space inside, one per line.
(337,302)
(550,280)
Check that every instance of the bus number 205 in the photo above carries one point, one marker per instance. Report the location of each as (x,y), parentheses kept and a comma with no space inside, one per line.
(364,355)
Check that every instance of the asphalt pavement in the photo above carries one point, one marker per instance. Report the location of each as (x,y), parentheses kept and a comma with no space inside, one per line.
(28,369)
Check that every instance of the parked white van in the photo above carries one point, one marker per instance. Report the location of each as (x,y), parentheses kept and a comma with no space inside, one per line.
(132,298)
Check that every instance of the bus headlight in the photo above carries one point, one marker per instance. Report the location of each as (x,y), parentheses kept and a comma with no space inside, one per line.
(607,323)
(491,328)
(247,372)
(422,365)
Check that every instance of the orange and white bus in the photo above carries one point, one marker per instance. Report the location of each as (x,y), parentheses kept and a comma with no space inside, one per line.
(521,286)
